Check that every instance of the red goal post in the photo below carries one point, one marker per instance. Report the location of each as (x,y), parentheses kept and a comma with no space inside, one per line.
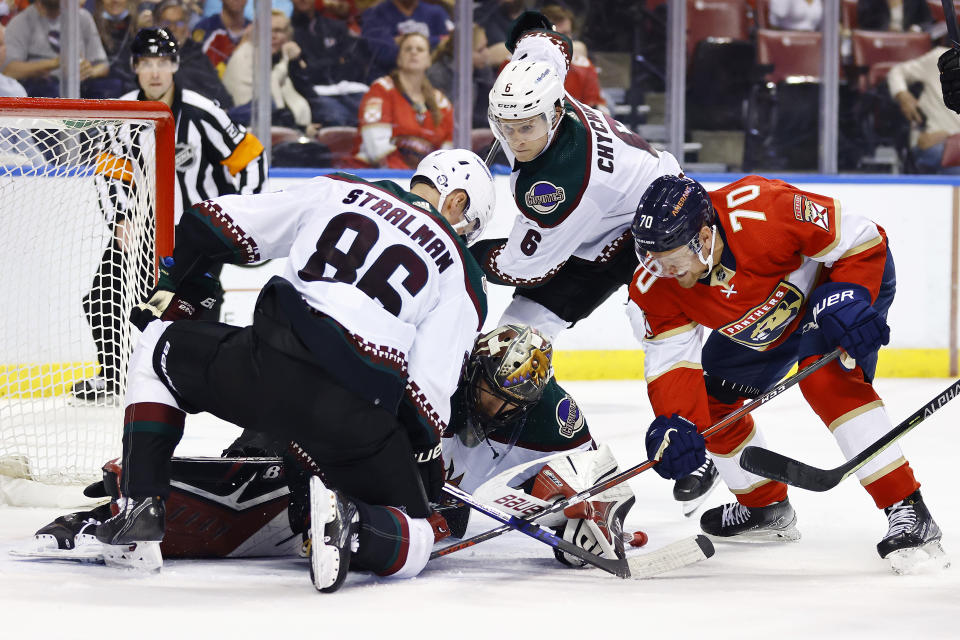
(86,211)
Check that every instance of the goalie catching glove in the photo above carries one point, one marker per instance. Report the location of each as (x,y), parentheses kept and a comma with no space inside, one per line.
(595,525)
(170,301)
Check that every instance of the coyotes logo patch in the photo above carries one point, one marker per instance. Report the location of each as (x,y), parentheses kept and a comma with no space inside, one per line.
(765,323)
(806,210)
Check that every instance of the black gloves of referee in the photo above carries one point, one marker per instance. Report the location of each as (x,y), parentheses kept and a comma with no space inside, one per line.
(949,65)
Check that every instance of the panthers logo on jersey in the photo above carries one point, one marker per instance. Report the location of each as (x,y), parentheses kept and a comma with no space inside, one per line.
(569,417)
(765,323)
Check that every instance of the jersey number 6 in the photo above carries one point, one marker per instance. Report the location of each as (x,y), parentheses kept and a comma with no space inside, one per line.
(375,281)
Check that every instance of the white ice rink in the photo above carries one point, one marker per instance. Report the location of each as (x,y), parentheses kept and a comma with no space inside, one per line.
(830,584)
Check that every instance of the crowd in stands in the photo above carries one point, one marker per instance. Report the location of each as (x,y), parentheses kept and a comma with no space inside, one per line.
(342,77)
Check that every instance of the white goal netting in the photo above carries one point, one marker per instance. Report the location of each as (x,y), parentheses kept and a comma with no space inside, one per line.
(77,250)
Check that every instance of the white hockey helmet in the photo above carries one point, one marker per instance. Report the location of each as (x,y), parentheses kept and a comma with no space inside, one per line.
(524,90)
(451,169)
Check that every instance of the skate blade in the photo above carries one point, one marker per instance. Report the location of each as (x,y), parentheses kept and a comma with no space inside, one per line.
(142,556)
(324,559)
(693,505)
(790,534)
(38,551)
(927,558)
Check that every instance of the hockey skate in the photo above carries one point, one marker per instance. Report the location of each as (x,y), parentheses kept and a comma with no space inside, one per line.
(70,537)
(734,522)
(912,542)
(692,490)
(333,536)
(93,389)
(131,539)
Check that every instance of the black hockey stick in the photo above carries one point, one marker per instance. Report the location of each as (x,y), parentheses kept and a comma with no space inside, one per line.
(673,556)
(775,466)
(600,487)
(950,16)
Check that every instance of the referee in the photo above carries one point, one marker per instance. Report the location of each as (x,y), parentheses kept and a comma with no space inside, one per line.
(214,156)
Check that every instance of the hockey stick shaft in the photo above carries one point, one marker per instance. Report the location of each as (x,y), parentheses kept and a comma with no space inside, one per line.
(950,16)
(617,567)
(640,468)
(775,466)
(495,148)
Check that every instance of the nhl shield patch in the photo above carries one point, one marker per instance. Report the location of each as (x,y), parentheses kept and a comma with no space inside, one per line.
(544,197)
(569,417)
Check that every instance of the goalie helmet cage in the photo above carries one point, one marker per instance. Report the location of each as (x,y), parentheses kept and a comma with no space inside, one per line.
(73,175)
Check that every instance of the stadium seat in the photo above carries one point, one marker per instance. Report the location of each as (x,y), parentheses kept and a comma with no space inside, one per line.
(727,19)
(790,53)
(340,141)
(875,52)
(936,10)
(279,135)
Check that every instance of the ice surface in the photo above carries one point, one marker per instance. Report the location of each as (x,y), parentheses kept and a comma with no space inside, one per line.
(831,584)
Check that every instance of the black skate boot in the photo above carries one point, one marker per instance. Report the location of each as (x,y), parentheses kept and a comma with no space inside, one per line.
(333,536)
(913,538)
(736,523)
(692,490)
(132,537)
(72,531)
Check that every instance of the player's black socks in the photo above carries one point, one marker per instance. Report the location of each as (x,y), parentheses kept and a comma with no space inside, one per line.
(151,432)
(383,540)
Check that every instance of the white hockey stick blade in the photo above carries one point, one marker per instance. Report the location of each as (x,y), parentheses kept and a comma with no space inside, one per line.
(674,556)
(141,556)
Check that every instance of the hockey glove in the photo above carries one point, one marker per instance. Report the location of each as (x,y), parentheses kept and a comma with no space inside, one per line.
(676,446)
(847,319)
(528,21)
(168,301)
(430,466)
(949,65)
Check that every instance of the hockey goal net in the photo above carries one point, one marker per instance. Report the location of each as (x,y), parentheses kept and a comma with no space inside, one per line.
(86,206)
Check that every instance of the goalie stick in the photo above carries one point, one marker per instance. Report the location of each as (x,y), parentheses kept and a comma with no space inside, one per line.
(600,487)
(950,17)
(494,148)
(673,556)
(775,466)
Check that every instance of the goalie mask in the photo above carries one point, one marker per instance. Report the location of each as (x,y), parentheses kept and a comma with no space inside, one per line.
(508,371)
(450,169)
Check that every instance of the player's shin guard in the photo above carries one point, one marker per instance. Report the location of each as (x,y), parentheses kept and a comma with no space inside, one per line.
(725,447)
(854,413)
(151,432)
(391,543)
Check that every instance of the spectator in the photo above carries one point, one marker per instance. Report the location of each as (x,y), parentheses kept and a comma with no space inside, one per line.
(238,77)
(333,66)
(931,121)
(33,51)
(443,76)
(496,17)
(893,15)
(403,117)
(196,72)
(385,23)
(582,81)
(221,32)
(796,15)
(117,23)
(9,88)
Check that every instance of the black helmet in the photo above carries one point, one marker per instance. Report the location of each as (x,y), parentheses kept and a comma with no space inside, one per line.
(671,213)
(153,43)
(515,361)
